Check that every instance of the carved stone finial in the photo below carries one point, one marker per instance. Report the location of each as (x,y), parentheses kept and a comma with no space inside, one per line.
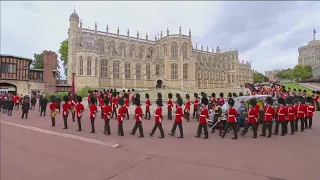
(196,46)
(161,34)
(207,49)
(146,36)
(180,30)
(138,34)
(189,32)
(167,31)
(128,33)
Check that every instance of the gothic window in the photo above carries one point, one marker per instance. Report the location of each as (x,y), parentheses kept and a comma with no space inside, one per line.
(233,78)
(127,70)
(233,67)
(148,72)
(112,48)
(165,50)
(101,46)
(138,71)
(81,66)
(237,78)
(157,69)
(158,52)
(229,67)
(141,52)
(229,79)
(96,67)
(150,53)
(122,49)
(132,50)
(116,69)
(89,62)
(174,71)
(185,71)
(174,50)
(185,51)
(104,68)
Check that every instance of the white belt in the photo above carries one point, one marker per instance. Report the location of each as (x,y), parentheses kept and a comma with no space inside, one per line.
(268,114)
(281,114)
(300,111)
(230,115)
(252,116)
(156,115)
(310,111)
(203,115)
(291,113)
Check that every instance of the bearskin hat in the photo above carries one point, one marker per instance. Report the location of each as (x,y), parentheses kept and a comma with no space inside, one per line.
(101,95)
(234,94)
(106,100)
(159,95)
(240,94)
(132,90)
(126,95)
(66,98)
(89,91)
(170,95)
(159,102)
(114,94)
(289,88)
(299,90)
(213,95)
(205,95)
(137,101)
(204,100)
(123,90)
(53,98)
(147,95)
(221,95)
(118,93)
(187,96)
(253,102)
(305,91)
(92,100)
(289,100)
(294,89)
(309,100)
(281,101)
(121,101)
(201,93)
(179,101)
(229,94)
(74,96)
(177,95)
(231,102)
(313,92)
(79,99)
(284,90)
(138,95)
(317,92)
(195,95)
(300,99)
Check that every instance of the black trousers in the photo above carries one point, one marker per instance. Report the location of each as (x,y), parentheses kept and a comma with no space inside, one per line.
(9,112)
(292,128)
(306,124)
(169,114)
(53,121)
(43,111)
(65,122)
(114,112)
(138,125)
(4,110)
(267,125)
(205,129)
(25,114)
(233,125)
(187,115)
(157,125)
(127,112)
(174,127)
(101,114)
(120,128)
(79,123)
(59,108)
(17,105)
(33,107)
(194,114)
(301,124)
(107,126)
(254,128)
(147,114)
(283,127)
(92,125)
(73,114)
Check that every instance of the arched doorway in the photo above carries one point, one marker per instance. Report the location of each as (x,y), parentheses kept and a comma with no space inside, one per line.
(8,88)
(159,83)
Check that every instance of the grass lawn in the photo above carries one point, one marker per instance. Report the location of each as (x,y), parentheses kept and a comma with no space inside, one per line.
(294,85)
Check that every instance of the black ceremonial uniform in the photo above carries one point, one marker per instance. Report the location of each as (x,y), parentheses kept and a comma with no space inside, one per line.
(25,108)
(43,106)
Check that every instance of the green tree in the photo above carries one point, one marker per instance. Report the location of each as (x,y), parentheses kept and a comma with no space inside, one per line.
(259,78)
(37,63)
(63,51)
(298,72)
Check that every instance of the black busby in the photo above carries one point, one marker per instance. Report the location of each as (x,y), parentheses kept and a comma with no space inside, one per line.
(114,94)
(253,102)
(309,100)
(106,100)
(65,98)
(53,98)
(318,92)
(123,91)
(170,95)
(289,88)
(300,99)
(284,90)
(147,96)
(234,94)
(92,100)
(281,101)
(79,99)
(187,96)
(126,95)
(121,101)
(229,95)
(289,100)
(221,95)
(159,95)
(305,91)
(137,101)
(294,89)
(231,102)
(213,95)
(179,101)
(204,101)
(195,95)
(74,97)
(118,93)
(132,90)
(137,95)
(201,93)
(177,95)
(313,92)
(299,90)
(241,94)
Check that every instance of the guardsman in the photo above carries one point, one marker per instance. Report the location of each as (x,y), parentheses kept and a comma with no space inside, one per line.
(25,107)
(10,105)
(232,121)
(79,111)
(102,104)
(121,113)
(132,96)
(301,112)
(317,106)
(229,96)
(53,108)
(187,108)
(310,110)
(33,102)
(252,118)
(73,107)
(304,93)
(299,92)
(41,96)
(178,119)
(114,104)
(204,114)
(217,116)
(106,116)
(123,92)
(222,101)
(282,114)
(17,99)
(126,104)
(66,108)
(89,97)
(158,117)
(213,98)
(93,110)
(170,105)
(292,111)
(138,116)
(43,105)
(148,104)
(195,106)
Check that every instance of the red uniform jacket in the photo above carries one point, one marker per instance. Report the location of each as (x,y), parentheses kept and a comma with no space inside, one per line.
(310,110)
(158,115)
(102,105)
(301,111)
(292,111)
(65,109)
(222,101)
(53,107)
(101,101)
(204,115)
(122,110)
(148,104)
(79,110)
(138,113)
(213,100)
(188,105)
(106,112)
(232,114)
(127,103)
(93,111)
(132,97)
(114,102)
(179,115)
(258,109)
(282,113)
(170,104)
(17,99)
(195,104)
(89,99)
(317,98)
(252,115)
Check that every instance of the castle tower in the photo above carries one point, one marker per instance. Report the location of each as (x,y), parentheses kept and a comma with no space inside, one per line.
(50,60)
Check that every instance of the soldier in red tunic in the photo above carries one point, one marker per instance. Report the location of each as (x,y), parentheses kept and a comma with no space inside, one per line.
(170,105)
(222,101)
(252,118)
(292,111)
(114,104)
(106,116)
(148,104)
(102,104)
(66,107)
(282,114)
(126,104)
(310,110)
(195,106)
(138,116)
(158,117)
(93,110)
(204,114)
(79,111)
(133,96)
(178,119)
(73,107)
(187,108)
(121,113)
(53,107)
(232,121)
(301,112)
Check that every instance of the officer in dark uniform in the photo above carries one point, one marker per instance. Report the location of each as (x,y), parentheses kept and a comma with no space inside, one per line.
(1,103)
(5,105)
(25,107)
(33,102)
(40,99)
(43,105)
(10,105)
(59,104)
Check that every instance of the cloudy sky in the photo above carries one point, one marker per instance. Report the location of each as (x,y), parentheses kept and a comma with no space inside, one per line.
(265,33)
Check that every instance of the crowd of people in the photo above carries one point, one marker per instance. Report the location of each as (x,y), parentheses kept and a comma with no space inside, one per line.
(293,107)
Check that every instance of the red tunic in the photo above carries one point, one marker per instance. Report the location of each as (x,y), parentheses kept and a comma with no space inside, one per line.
(317,99)
(65,109)
(222,101)
(79,110)
(179,115)
(127,103)
(203,116)
(195,104)
(252,115)
(232,114)
(114,102)
(188,105)
(258,109)
(53,107)
(310,110)
(106,112)
(292,111)
(148,104)
(158,115)
(121,111)
(170,104)
(138,113)
(301,110)
(17,99)
(213,100)
(93,110)
(101,101)
(282,113)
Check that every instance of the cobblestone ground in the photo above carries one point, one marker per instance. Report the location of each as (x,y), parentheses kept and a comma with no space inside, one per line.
(32,149)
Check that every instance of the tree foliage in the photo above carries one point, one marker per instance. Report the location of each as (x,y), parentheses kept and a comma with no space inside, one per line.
(259,78)
(63,51)
(298,72)
(37,63)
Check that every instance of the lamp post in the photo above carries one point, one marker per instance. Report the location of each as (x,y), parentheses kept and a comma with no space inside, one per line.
(72,86)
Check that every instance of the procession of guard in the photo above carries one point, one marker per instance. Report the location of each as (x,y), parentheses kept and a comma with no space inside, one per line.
(289,108)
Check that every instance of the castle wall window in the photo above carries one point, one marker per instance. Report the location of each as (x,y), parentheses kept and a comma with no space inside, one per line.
(89,62)
(165,50)
(127,70)
(233,79)
(101,45)
(185,71)
(138,71)
(174,50)
(8,68)
(81,66)
(104,68)
(96,67)
(185,51)
(141,52)
(148,72)
(157,69)
(229,78)
(116,69)
(112,48)
(123,49)
(132,50)
(174,71)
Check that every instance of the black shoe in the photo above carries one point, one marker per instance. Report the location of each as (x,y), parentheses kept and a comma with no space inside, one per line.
(140,136)
(291,133)
(180,137)
(205,138)
(120,135)
(221,135)
(108,133)
(131,133)
(197,136)
(269,137)
(150,134)
(65,128)
(79,130)
(262,135)
(234,138)
(254,137)
(171,134)
(161,137)
(301,131)
(275,133)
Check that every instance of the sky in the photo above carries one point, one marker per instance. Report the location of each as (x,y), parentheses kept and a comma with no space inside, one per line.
(267,34)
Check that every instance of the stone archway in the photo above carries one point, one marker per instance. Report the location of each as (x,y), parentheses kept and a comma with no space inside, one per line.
(8,88)
(159,83)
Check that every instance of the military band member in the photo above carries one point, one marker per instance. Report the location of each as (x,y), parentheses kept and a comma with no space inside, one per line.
(93,110)
(299,92)
(106,116)
(66,108)
(310,110)
(132,96)
(252,118)
(301,111)
(187,108)
(25,107)
(43,105)
(217,116)
(138,115)
(41,96)
(53,108)
(213,98)
(204,114)
(73,106)
(222,101)
(178,119)
(17,100)
(102,104)
(292,111)
(114,105)
(195,106)
(148,104)
(59,104)
(127,104)
(170,105)
(282,113)
(79,111)
(158,117)
(121,113)
(232,121)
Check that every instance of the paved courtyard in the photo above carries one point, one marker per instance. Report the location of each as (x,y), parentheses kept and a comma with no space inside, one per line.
(32,149)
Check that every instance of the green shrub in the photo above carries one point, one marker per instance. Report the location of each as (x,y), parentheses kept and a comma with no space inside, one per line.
(84,91)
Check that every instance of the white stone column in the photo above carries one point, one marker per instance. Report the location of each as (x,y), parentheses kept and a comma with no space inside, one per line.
(122,73)
(181,70)
(134,74)
(144,73)
(110,66)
